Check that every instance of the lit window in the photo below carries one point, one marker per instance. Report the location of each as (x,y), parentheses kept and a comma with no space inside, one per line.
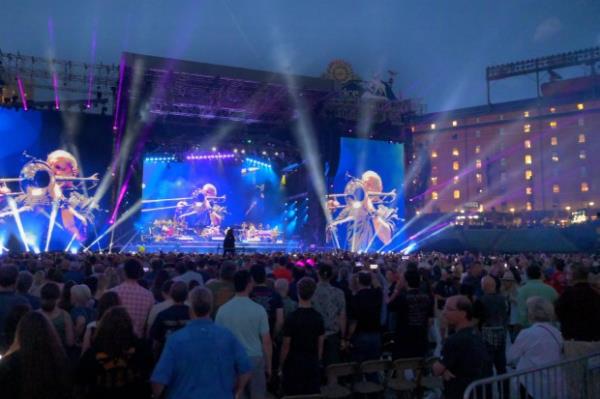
(528,206)
(555,188)
(455,152)
(528,174)
(581,138)
(528,190)
(433,126)
(580,106)
(477,149)
(527,143)
(553,140)
(553,124)
(479,177)
(433,154)
(478,164)
(584,187)
(456,194)
(527,128)
(455,165)
(480,190)
(434,180)
(552,109)
(580,122)
(454,123)
(456,179)
(554,157)
(434,195)
(528,159)
(526,114)
(582,154)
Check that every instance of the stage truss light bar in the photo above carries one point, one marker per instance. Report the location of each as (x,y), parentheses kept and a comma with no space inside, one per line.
(158,159)
(258,163)
(203,157)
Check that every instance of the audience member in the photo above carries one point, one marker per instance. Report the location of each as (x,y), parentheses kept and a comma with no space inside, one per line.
(8,299)
(107,301)
(24,284)
(81,312)
(222,288)
(172,318)
(267,297)
(58,317)
(533,287)
(282,286)
(165,302)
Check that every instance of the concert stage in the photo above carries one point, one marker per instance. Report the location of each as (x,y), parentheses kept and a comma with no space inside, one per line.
(208,247)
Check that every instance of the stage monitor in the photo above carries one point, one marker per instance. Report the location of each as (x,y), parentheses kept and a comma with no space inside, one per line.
(366,203)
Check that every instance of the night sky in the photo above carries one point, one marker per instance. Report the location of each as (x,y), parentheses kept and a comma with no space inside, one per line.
(439,48)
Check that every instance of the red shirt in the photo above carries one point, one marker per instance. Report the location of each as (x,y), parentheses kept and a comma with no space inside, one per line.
(282,272)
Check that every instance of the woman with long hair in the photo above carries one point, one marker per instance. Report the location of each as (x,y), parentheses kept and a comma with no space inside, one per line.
(118,364)
(106,301)
(59,318)
(35,366)
(65,299)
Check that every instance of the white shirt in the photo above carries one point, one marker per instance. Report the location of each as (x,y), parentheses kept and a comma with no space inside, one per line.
(190,276)
(536,346)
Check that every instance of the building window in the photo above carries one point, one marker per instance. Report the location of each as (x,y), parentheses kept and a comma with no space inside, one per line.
(527,128)
(501,131)
(434,180)
(479,177)
(480,190)
(581,138)
(528,191)
(456,194)
(583,171)
(552,109)
(528,206)
(528,159)
(477,149)
(478,163)
(432,126)
(455,152)
(454,123)
(526,114)
(478,133)
(554,157)
(580,106)
(455,165)
(434,195)
(553,140)
(555,188)
(456,179)
(433,154)
(528,174)
(553,124)
(584,187)
(580,122)
(527,143)
(582,154)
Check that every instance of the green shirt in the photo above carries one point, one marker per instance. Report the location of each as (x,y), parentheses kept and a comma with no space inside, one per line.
(530,289)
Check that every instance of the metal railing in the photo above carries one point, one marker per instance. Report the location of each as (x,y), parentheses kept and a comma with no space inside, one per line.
(573,378)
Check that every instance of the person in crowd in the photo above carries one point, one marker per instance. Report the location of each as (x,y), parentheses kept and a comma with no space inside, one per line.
(491,312)
(330,302)
(558,279)
(267,297)
(509,288)
(12,320)
(35,366)
(282,286)
(8,299)
(157,284)
(118,364)
(24,284)
(533,287)
(536,346)
(136,299)
(444,289)
(65,297)
(107,301)
(156,265)
(414,316)
(81,313)
(222,288)
(280,270)
(229,243)
(364,330)
(578,308)
(188,273)
(249,322)
(302,349)
(171,319)
(74,273)
(471,283)
(464,354)
(202,360)
(165,302)
(58,317)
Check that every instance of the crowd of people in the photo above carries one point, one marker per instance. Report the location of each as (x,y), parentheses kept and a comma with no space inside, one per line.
(210,326)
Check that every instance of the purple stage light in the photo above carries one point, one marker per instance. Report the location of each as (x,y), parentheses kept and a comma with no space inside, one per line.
(55,86)
(119,90)
(22,93)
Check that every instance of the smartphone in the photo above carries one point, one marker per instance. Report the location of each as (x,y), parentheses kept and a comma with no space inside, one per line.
(359,264)
(373,266)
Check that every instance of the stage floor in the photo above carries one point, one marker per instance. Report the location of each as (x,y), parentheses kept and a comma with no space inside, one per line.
(208,247)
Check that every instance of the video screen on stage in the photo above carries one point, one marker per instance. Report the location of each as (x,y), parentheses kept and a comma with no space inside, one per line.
(49,173)
(197,200)
(366,203)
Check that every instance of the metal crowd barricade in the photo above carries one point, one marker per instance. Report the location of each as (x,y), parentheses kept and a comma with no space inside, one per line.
(573,378)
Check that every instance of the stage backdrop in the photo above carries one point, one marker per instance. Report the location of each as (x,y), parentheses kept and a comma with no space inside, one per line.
(253,193)
(35,134)
(359,158)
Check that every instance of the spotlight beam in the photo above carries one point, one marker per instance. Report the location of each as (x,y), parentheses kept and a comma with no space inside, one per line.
(51,225)
(17,216)
(126,215)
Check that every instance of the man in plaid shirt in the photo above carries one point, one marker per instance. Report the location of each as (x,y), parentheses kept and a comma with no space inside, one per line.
(136,299)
